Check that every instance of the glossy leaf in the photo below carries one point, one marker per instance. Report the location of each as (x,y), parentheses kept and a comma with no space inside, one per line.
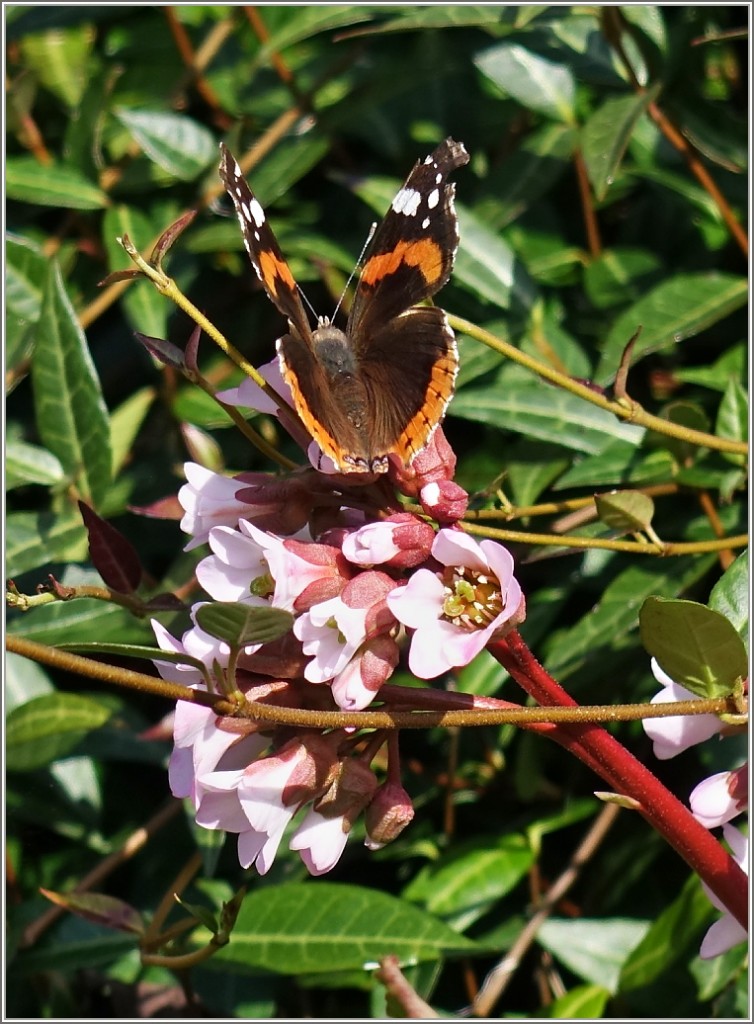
(70,412)
(545,413)
(240,624)
(677,309)
(30,464)
(49,727)
(730,595)
(606,135)
(536,82)
(627,511)
(594,950)
(50,185)
(318,929)
(696,646)
(177,144)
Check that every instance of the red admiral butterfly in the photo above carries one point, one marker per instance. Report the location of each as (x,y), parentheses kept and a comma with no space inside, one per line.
(382,386)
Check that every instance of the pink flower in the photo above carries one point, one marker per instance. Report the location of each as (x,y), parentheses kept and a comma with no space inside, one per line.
(676,733)
(727,932)
(456,612)
(320,841)
(304,573)
(209,499)
(721,797)
(372,665)
(237,569)
(402,541)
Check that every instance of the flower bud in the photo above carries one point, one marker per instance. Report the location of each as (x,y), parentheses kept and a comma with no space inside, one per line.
(387,815)
(444,500)
(352,787)
(402,541)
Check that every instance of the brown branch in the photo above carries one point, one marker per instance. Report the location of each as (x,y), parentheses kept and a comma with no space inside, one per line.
(497,980)
(587,206)
(131,846)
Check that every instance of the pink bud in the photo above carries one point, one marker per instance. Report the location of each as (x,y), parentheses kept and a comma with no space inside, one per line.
(353,786)
(401,541)
(444,500)
(437,461)
(282,504)
(387,815)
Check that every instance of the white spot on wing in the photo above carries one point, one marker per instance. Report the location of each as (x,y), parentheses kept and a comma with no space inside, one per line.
(407,202)
(425,223)
(257,213)
(433,198)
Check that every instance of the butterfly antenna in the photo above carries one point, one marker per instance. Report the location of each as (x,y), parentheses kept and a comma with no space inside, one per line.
(306,302)
(364,248)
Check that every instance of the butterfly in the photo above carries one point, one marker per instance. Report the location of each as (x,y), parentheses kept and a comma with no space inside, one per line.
(380,387)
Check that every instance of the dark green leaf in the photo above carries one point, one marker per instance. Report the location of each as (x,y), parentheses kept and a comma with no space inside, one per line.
(305,928)
(733,418)
(676,309)
(544,412)
(594,950)
(667,940)
(241,624)
(472,876)
(60,60)
(606,134)
(50,185)
(177,144)
(30,464)
(730,595)
(71,414)
(35,540)
(696,646)
(537,83)
(627,511)
(49,727)
(147,309)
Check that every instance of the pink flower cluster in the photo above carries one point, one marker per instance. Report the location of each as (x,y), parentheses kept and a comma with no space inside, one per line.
(356,587)
(714,802)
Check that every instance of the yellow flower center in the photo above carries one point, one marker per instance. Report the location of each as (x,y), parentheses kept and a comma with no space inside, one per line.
(472,599)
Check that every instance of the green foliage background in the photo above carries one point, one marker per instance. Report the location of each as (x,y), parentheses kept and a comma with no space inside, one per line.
(111,130)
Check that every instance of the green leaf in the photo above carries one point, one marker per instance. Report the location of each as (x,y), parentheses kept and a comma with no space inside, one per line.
(180,146)
(37,539)
(61,60)
(696,646)
(70,412)
(241,624)
(606,134)
(583,1002)
(676,309)
(487,266)
(531,467)
(627,511)
(513,187)
(320,928)
(50,185)
(30,464)
(544,412)
(593,950)
(620,275)
(147,310)
(669,937)
(141,651)
(733,419)
(308,20)
(472,876)
(126,422)
(730,595)
(49,727)
(537,83)
(26,269)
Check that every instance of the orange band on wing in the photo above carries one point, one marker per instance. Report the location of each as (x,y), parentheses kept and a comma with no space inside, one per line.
(271,267)
(426,255)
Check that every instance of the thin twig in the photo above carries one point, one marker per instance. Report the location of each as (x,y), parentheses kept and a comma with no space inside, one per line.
(497,980)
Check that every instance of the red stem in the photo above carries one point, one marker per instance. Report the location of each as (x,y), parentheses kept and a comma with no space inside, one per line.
(629,777)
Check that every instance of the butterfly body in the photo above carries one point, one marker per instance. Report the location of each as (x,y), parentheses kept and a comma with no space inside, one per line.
(380,387)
